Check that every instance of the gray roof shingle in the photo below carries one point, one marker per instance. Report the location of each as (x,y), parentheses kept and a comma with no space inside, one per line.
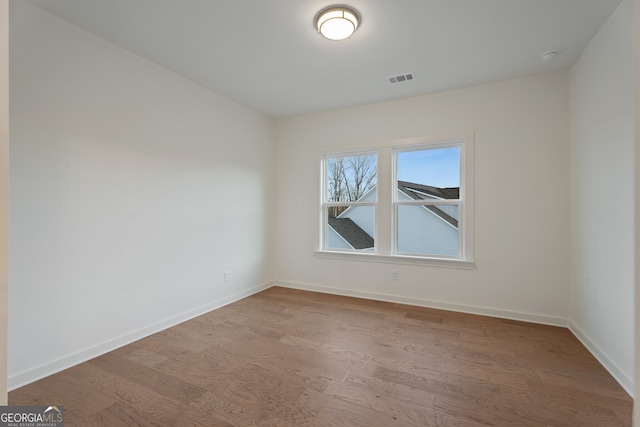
(352,233)
(443,193)
(410,188)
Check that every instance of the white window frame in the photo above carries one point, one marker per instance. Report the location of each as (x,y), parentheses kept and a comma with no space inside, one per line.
(386,203)
(396,203)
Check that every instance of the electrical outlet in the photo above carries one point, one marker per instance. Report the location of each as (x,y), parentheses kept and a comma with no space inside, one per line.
(227,276)
(395,275)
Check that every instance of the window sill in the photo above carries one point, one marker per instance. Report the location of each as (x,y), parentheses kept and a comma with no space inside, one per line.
(397,259)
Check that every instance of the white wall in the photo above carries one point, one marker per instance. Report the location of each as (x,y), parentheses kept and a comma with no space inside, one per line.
(636,26)
(602,196)
(4,192)
(521,210)
(132,191)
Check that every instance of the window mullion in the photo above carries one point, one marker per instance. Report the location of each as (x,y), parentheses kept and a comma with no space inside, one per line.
(384,209)
(450,202)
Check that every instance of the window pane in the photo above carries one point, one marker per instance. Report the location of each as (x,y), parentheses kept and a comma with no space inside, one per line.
(433,175)
(428,230)
(436,167)
(351,178)
(352,229)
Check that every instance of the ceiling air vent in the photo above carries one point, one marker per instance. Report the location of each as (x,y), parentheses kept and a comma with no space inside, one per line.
(402,78)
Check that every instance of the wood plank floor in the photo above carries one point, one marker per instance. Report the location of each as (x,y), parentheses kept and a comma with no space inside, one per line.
(292,358)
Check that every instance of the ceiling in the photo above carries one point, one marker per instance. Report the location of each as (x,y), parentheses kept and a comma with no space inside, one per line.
(267,55)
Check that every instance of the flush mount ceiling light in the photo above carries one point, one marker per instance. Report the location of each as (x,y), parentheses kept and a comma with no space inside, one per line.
(548,56)
(337,22)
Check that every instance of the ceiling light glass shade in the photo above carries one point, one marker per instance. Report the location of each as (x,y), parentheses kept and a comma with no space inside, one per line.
(337,23)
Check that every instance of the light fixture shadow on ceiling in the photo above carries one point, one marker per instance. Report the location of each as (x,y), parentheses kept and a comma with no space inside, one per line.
(337,22)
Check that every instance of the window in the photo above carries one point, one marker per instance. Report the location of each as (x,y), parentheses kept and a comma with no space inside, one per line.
(427,201)
(350,199)
(408,202)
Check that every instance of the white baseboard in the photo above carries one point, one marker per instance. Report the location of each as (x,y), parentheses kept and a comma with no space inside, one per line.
(31,375)
(483,311)
(622,377)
